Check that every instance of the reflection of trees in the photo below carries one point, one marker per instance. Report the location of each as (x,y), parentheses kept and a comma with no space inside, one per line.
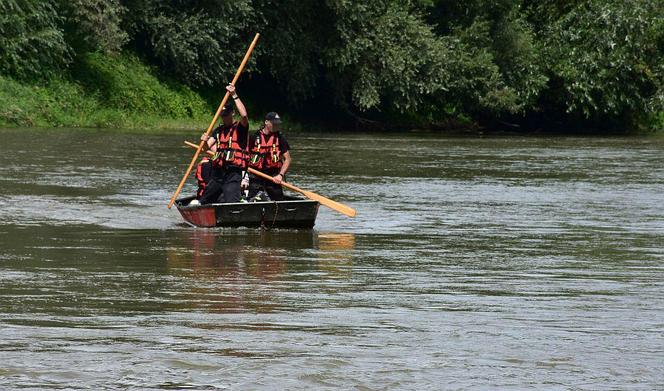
(234,272)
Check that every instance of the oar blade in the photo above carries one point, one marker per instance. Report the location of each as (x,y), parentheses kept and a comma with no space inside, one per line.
(341,208)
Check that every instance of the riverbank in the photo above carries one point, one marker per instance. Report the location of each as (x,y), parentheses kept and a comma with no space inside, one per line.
(122,92)
(102,91)
(109,92)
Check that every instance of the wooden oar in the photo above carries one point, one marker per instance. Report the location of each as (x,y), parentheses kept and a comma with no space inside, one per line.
(341,208)
(214,120)
(347,210)
(196,146)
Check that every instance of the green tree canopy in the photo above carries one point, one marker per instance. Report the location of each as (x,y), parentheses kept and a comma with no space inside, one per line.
(94,25)
(586,59)
(196,41)
(606,58)
(32,43)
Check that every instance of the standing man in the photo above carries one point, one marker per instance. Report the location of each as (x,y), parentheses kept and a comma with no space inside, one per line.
(269,154)
(229,143)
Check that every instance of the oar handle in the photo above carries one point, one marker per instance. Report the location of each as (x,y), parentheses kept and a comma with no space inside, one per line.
(269,178)
(196,146)
(214,120)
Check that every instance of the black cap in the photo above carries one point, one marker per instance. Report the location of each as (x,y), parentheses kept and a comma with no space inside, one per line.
(228,108)
(273,117)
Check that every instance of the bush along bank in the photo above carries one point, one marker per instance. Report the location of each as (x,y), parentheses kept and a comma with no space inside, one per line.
(102,91)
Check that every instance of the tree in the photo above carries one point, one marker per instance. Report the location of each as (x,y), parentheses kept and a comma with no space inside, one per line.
(32,43)
(497,32)
(296,33)
(199,42)
(94,25)
(382,53)
(606,58)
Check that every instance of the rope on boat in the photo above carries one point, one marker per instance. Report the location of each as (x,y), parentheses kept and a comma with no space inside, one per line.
(276,210)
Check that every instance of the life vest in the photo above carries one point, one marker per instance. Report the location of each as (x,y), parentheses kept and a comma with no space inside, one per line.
(265,154)
(229,151)
(202,176)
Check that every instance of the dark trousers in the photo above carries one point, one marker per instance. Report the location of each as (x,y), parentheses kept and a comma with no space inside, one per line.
(256,184)
(224,186)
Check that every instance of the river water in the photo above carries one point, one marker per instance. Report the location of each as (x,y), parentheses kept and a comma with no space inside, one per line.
(473,263)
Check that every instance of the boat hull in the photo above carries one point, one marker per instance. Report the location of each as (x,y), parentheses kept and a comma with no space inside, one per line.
(290,213)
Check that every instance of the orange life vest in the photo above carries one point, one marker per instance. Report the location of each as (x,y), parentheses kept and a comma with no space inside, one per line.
(265,153)
(229,151)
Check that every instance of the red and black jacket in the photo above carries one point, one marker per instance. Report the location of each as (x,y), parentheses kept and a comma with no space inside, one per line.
(266,152)
(229,151)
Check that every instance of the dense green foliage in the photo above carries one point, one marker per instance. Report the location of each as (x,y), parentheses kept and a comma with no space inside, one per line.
(606,58)
(196,41)
(106,91)
(592,63)
(92,25)
(32,42)
(106,77)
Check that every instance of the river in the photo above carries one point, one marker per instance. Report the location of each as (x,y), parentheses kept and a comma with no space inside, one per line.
(473,263)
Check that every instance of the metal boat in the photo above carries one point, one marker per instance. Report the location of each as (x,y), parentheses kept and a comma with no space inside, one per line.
(292,212)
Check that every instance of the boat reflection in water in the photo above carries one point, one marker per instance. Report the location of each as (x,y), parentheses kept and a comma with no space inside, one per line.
(335,253)
(248,269)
